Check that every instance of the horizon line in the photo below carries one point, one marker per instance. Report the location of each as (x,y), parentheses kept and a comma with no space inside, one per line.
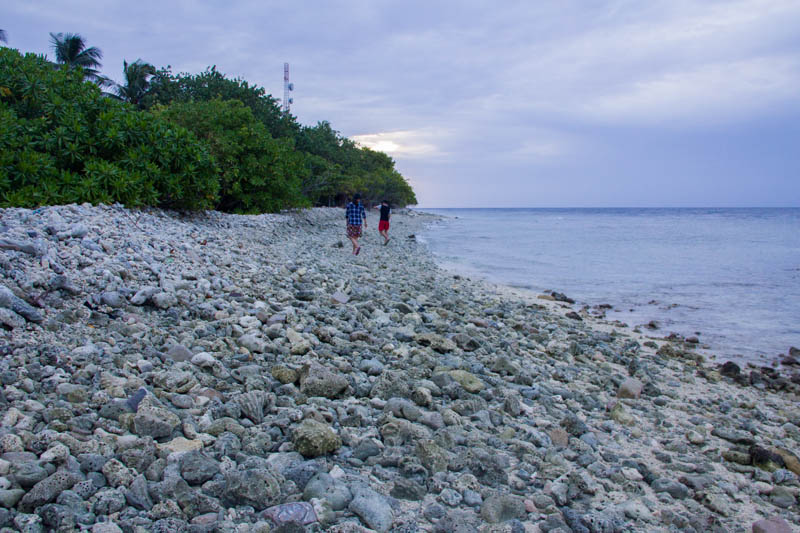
(619,207)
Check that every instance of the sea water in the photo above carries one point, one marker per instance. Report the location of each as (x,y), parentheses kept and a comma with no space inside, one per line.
(731,275)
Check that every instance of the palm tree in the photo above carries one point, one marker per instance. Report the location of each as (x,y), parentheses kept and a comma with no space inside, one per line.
(71,50)
(137,80)
(3,36)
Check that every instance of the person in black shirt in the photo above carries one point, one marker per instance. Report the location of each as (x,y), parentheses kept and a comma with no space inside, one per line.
(383,225)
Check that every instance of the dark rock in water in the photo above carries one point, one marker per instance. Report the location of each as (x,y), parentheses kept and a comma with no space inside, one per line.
(794,352)
(573,315)
(730,369)
(561,297)
(765,459)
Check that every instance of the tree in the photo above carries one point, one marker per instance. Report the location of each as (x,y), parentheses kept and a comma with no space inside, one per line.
(3,36)
(62,142)
(71,51)
(166,88)
(137,81)
(257,172)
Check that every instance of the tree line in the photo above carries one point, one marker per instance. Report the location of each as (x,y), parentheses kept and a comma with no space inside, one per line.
(188,141)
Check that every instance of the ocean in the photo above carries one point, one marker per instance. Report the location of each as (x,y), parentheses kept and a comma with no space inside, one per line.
(730,276)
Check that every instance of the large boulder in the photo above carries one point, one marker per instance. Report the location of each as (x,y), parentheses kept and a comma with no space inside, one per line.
(259,487)
(316,380)
(312,438)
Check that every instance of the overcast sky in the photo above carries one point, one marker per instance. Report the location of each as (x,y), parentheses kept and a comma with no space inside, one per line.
(562,103)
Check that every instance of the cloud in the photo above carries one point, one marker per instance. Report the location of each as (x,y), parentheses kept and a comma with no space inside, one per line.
(408,143)
(519,95)
(715,92)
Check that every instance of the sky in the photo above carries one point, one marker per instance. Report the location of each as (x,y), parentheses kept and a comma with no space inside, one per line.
(548,103)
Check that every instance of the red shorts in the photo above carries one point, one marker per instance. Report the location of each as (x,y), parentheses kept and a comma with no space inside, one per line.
(383,225)
(353,231)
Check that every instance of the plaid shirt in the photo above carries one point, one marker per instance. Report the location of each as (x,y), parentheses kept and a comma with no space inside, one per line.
(355,214)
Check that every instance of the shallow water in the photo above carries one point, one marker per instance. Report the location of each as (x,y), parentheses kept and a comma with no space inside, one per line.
(733,275)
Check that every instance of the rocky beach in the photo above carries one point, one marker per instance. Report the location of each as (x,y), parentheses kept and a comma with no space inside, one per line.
(206,372)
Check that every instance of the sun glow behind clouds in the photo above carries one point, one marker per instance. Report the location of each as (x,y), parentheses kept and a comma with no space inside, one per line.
(408,143)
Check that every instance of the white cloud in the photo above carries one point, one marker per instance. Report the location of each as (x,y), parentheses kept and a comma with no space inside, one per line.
(407,143)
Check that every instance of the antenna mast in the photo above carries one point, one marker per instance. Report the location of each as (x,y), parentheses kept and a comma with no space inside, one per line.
(286,88)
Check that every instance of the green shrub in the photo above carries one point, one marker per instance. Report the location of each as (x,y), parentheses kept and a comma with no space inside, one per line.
(62,141)
(257,173)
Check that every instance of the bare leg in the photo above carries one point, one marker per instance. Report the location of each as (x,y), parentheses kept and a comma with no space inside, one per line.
(354,240)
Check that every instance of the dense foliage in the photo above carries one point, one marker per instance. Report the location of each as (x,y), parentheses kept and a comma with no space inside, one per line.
(257,173)
(192,141)
(335,167)
(61,141)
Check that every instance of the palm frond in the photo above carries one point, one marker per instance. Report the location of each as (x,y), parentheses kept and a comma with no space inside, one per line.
(70,50)
(137,80)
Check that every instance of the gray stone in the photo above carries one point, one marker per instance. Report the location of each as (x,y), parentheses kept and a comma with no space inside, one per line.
(155,422)
(19,306)
(325,487)
(316,380)
(197,467)
(372,508)
(164,300)
(677,490)
(772,525)
(500,507)
(10,497)
(137,494)
(630,388)
(48,489)
(29,474)
(108,502)
(408,489)
(179,353)
(782,497)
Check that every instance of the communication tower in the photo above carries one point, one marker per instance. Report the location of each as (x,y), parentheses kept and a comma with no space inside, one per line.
(286,88)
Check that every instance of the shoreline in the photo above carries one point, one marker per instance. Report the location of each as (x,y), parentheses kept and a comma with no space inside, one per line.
(159,366)
(715,352)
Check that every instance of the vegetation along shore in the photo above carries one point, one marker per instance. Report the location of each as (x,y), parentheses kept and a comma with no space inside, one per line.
(204,372)
(181,141)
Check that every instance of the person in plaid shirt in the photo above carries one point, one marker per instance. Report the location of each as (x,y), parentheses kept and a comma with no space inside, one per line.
(356,215)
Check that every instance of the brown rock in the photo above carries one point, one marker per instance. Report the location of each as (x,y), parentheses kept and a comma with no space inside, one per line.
(772,525)
(559,436)
(630,388)
(791,461)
